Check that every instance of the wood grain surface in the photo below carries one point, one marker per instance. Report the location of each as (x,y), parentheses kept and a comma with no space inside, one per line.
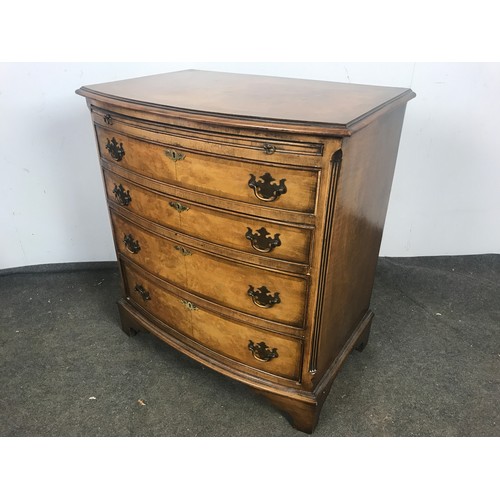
(177,153)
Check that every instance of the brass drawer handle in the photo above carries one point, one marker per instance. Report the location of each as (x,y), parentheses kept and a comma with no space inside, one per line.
(142,292)
(264,189)
(130,244)
(269,149)
(179,207)
(262,352)
(108,119)
(189,305)
(262,241)
(121,196)
(262,297)
(182,250)
(174,155)
(115,150)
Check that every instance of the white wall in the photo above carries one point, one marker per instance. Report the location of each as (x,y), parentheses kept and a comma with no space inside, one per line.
(445,197)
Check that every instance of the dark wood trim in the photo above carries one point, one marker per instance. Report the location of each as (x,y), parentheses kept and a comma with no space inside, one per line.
(270,213)
(258,261)
(336,162)
(248,375)
(223,311)
(210,137)
(237,121)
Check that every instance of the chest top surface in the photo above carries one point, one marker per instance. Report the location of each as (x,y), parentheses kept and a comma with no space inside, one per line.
(252,97)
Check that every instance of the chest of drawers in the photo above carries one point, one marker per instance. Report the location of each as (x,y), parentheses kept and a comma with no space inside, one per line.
(247,215)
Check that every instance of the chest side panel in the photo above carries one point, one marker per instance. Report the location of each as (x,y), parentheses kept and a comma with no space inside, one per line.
(363,190)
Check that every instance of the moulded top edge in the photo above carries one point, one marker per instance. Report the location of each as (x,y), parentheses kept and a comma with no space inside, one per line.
(279,103)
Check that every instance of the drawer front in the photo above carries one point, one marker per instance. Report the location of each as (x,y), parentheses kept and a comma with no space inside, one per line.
(267,294)
(263,350)
(259,146)
(280,187)
(214,226)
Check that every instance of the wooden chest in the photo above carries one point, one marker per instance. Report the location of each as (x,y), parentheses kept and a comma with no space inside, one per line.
(247,215)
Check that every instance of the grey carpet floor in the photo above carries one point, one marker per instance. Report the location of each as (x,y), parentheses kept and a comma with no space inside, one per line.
(431,368)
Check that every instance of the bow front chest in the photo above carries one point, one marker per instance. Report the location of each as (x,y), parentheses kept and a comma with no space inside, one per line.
(247,215)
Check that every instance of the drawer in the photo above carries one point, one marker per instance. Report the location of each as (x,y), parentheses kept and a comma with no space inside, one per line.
(256,145)
(260,349)
(258,184)
(209,224)
(259,292)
